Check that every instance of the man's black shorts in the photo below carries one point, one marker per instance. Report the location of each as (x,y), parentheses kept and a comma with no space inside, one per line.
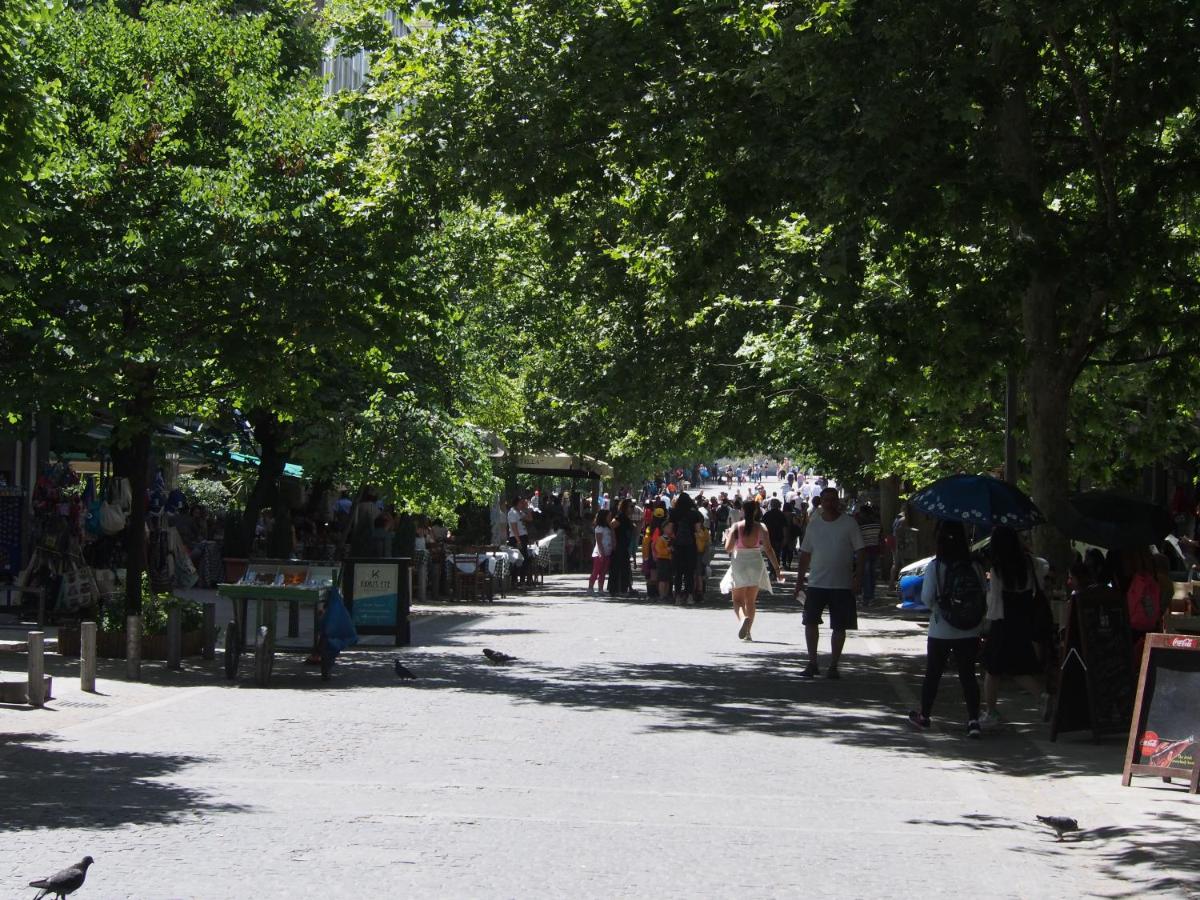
(843,615)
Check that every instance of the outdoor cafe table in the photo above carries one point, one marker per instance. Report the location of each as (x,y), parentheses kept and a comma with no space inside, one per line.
(265,584)
(495,561)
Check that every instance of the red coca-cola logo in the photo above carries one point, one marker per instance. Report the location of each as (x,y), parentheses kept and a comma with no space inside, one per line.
(1183,643)
(1149,743)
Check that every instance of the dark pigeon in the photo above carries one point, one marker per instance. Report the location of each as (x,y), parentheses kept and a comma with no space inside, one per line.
(65,882)
(1060,824)
(497,657)
(404,672)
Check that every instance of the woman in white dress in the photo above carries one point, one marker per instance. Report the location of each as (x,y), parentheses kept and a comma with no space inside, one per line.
(747,574)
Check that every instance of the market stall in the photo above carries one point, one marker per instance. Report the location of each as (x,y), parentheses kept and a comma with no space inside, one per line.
(265,584)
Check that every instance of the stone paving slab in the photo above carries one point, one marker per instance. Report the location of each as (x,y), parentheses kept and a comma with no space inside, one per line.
(636,750)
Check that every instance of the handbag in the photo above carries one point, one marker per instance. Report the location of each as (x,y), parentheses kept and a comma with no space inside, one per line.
(111,519)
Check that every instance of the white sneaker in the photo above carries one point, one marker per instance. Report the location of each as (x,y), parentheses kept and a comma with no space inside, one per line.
(690,601)
(989,721)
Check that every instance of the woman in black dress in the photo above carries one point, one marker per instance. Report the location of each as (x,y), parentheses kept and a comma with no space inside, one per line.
(1020,624)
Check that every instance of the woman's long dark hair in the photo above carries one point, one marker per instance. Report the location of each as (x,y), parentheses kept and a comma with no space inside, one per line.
(623,510)
(952,543)
(749,513)
(1008,557)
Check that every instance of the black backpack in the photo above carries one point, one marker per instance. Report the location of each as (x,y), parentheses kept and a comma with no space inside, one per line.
(961,600)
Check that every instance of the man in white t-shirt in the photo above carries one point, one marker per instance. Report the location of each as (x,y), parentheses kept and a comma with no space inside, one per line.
(833,545)
(518,536)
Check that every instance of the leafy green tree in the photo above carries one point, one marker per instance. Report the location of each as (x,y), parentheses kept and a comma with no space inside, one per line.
(22,100)
(1023,173)
(124,297)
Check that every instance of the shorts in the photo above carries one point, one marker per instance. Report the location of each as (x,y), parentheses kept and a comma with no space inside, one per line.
(662,569)
(843,613)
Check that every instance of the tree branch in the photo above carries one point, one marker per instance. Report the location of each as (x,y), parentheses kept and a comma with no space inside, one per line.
(1089,319)
(1083,102)
(1181,350)
(1114,64)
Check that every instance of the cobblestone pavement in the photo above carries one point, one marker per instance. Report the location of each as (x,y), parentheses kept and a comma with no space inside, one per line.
(636,749)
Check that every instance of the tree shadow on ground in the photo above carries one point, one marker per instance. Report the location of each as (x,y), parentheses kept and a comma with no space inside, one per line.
(48,787)
(761,692)
(1161,855)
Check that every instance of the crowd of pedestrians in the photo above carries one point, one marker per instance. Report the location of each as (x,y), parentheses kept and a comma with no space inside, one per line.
(988,610)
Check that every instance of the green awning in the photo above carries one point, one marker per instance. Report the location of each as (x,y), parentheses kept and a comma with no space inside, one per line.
(288,468)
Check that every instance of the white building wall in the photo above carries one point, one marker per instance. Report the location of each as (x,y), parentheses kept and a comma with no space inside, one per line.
(347,73)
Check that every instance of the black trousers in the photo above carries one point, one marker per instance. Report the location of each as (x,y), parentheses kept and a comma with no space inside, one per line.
(777,546)
(683,569)
(966,652)
(620,578)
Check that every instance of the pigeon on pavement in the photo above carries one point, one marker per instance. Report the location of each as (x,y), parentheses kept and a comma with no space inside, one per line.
(404,672)
(63,882)
(1060,824)
(497,657)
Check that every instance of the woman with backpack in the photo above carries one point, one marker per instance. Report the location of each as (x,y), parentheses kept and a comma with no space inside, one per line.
(956,595)
(664,535)
(1020,622)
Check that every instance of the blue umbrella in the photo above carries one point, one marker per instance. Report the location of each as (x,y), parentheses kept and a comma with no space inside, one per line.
(978,500)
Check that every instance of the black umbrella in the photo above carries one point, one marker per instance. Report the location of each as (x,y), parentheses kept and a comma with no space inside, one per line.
(1115,521)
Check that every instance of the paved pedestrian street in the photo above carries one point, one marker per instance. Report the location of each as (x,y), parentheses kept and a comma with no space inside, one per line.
(634,749)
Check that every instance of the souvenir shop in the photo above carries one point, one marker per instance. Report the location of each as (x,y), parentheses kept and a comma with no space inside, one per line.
(63,541)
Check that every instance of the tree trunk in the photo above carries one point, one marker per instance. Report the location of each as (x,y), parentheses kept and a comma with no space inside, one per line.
(1048,384)
(271,460)
(889,501)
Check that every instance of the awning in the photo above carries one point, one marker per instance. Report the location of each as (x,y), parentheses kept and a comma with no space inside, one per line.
(563,465)
(288,468)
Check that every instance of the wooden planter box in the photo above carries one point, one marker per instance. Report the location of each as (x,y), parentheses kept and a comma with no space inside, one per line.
(111,644)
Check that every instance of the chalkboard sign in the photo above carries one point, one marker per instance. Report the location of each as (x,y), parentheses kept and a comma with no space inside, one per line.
(379,595)
(1164,739)
(1095,691)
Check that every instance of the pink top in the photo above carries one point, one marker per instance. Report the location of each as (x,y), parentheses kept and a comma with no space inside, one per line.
(741,541)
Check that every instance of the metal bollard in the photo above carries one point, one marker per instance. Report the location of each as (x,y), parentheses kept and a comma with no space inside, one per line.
(87,657)
(133,648)
(422,582)
(210,631)
(174,637)
(37,669)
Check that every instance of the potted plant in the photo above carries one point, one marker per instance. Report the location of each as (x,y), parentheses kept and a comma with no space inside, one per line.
(110,631)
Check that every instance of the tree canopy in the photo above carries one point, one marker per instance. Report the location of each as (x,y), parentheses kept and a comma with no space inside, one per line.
(638,230)
(841,222)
